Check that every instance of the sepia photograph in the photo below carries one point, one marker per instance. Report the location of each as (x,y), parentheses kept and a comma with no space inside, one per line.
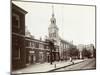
(52,37)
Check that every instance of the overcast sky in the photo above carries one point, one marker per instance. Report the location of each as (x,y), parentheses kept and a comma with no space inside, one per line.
(75,23)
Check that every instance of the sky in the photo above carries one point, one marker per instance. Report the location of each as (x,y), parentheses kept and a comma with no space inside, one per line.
(76,23)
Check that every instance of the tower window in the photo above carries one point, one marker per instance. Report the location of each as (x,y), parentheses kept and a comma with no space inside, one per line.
(53,21)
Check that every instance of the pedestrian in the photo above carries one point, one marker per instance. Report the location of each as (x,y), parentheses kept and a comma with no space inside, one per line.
(55,65)
(71,60)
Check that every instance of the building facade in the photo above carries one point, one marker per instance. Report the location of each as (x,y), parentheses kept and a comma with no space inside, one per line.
(18,37)
(37,51)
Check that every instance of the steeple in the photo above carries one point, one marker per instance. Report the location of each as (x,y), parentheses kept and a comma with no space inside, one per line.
(53,20)
(53,29)
(52,11)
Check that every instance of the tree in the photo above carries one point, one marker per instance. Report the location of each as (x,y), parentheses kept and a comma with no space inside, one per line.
(86,53)
(73,52)
(94,53)
(51,47)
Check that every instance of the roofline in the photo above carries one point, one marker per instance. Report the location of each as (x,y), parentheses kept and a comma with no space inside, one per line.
(34,39)
(19,8)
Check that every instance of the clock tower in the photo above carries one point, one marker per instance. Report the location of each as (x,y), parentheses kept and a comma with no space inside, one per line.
(53,29)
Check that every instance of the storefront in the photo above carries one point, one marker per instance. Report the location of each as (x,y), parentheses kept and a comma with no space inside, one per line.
(32,57)
(41,57)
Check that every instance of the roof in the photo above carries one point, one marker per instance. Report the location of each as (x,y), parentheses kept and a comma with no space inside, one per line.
(36,40)
(15,7)
(64,41)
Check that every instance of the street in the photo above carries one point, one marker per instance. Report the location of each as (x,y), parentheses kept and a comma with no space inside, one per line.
(45,67)
(88,64)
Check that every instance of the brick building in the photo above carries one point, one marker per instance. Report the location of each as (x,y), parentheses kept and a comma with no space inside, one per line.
(18,37)
(37,51)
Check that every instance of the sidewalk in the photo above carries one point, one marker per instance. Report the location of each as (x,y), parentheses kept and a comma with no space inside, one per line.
(45,67)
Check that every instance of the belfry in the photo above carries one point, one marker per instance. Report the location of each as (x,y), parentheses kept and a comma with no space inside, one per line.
(53,29)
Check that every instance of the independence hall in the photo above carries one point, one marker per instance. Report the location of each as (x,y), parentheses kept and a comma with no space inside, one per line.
(27,50)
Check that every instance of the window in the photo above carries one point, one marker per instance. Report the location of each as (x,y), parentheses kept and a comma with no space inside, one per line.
(53,21)
(15,20)
(41,56)
(27,43)
(36,45)
(45,46)
(32,44)
(41,46)
(16,53)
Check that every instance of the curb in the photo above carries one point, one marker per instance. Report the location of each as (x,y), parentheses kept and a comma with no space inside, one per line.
(65,66)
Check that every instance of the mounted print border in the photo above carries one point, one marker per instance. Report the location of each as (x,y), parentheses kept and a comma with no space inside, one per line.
(52,37)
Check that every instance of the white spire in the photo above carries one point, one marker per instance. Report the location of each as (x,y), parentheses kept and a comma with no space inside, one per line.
(52,11)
